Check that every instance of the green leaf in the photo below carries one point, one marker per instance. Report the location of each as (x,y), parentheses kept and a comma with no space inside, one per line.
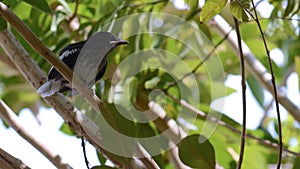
(196,153)
(211,8)
(40,4)
(238,11)
(67,130)
(257,90)
(3,24)
(193,5)
(290,6)
(296,163)
(16,93)
(220,90)
(101,158)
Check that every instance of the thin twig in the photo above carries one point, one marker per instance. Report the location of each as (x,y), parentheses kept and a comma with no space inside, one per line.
(274,86)
(164,122)
(84,153)
(147,158)
(171,84)
(75,11)
(228,126)
(175,133)
(266,110)
(242,60)
(145,3)
(286,75)
(257,3)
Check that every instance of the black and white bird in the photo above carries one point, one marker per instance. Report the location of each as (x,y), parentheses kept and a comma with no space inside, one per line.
(87,59)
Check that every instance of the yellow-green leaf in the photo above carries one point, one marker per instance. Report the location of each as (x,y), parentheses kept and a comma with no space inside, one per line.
(211,8)
(40,4)
(238,11)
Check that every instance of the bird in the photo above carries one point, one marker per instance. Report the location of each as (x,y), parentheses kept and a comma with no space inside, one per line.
(88,59)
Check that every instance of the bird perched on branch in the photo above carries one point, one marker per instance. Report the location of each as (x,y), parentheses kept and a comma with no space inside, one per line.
(87,59)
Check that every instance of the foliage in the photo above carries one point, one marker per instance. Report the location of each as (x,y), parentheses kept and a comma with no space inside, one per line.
(200,155)
(58,23)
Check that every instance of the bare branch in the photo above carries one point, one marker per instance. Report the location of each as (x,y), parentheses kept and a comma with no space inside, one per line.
(8,161)
(75,11)
(76,120)
(72,116)
(5,59)
(163,122)
(175,160)
(174,132)
(23,29)
(141,152)
(12,120)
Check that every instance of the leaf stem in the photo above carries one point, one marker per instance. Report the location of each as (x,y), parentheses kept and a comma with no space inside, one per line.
(273,84)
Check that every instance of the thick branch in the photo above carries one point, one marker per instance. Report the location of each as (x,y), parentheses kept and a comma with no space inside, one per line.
(76,120)
(12,120)
(47,54)
(36,44)
(5,59)
(36,77)
(8,161)
(30,70)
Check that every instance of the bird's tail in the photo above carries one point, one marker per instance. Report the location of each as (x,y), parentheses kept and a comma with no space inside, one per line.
(49,88)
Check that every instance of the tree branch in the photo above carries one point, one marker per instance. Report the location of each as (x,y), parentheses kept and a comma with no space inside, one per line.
(174,133)
(141,152)
(36,44)
(72,116)
(12,120)
(5,59)
(76,120)
(8,161)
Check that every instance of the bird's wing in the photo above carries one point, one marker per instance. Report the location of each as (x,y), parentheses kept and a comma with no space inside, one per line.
(69,56)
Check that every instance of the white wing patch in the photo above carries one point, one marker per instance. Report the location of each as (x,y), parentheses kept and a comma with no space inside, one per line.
(68,53)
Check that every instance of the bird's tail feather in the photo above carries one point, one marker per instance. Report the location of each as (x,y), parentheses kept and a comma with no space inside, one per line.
(49,88)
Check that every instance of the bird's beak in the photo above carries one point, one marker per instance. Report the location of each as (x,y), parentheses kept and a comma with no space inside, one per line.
(119,42)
